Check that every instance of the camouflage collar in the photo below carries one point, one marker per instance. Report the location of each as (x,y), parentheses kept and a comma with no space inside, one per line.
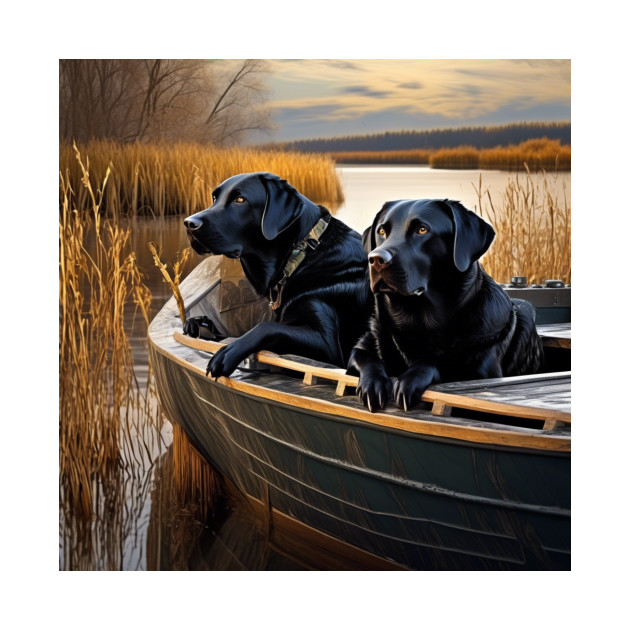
(296,256)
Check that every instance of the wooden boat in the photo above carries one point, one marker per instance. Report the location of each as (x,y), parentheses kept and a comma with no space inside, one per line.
(478,478)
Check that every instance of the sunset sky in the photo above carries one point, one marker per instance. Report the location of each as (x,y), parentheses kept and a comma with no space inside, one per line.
(322,98)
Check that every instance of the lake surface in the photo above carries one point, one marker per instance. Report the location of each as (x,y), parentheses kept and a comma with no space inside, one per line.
(142,526)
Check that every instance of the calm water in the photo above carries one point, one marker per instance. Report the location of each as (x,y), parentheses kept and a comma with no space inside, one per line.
(142,526)
(367,188)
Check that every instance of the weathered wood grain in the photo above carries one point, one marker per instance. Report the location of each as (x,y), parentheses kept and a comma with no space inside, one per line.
(539,397)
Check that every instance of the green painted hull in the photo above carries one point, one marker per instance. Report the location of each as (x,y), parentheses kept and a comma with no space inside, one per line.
(422,503)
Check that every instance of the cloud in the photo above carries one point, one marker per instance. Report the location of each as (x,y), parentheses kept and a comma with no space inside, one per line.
(362,95)
(364,90)
(308,114)
(342,64)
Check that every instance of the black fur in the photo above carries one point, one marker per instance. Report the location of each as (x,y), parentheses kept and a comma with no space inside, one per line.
(439,316)
(325,303)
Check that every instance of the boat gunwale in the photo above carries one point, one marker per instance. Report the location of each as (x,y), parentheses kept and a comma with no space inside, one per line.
(440,395)
(516,437)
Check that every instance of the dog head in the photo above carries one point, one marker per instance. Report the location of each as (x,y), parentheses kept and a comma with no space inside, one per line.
(247,210)
(414,243)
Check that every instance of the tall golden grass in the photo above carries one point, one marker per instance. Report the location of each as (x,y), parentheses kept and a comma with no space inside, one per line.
(532,220)
(168,179)
(537,154)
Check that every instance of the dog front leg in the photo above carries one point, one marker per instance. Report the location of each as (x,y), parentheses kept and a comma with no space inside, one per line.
(375,388)
(410,385)
(277,337)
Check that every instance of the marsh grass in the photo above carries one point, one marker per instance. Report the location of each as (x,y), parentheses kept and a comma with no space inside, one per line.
(173,179)
(531,155)
(108,428)
(541,153)
(537,154)
(411,156)
(112,431)
(464,157)
(533,227)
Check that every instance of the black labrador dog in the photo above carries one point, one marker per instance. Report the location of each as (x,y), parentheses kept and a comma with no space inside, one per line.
(439,316)
(312,267)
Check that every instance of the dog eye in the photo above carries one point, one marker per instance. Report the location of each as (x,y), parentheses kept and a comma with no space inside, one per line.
(422,230)
(240,199)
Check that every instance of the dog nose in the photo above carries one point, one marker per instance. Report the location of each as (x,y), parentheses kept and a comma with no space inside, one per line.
(192,223)
(379,258)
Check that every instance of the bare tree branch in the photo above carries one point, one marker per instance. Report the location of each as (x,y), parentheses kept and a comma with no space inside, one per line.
(160,99)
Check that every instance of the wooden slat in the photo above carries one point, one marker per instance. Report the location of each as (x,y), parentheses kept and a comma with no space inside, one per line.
(502,408)
(506,396)
(537,396)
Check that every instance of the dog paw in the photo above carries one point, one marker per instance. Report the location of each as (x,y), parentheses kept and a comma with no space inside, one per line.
(225,361)
(374,391)
(202,327)
(191,326)
(410,386)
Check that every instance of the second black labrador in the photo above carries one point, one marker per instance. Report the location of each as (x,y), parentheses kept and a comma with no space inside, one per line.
(311,266)
(439,316)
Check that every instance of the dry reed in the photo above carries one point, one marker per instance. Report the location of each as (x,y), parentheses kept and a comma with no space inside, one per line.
(537,154)
(196,481)
(110,428)
(460,157)
(533,227)
(168,179)
(411,156)
(173,282)
(98,277)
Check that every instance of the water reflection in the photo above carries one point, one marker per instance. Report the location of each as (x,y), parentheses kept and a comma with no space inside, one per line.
(230,538)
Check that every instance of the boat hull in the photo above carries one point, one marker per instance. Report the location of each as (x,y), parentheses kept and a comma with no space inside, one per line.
(419,501)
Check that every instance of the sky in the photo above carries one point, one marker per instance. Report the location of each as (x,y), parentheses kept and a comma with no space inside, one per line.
(313,98)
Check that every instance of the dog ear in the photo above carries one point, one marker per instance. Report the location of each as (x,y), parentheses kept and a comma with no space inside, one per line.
(473,235)
(369,235)
(283,206)
(366,239)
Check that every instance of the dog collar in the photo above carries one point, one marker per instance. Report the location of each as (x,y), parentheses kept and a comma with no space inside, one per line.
(296,256)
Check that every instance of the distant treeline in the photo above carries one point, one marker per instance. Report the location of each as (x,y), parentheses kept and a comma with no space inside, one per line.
(478,137)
